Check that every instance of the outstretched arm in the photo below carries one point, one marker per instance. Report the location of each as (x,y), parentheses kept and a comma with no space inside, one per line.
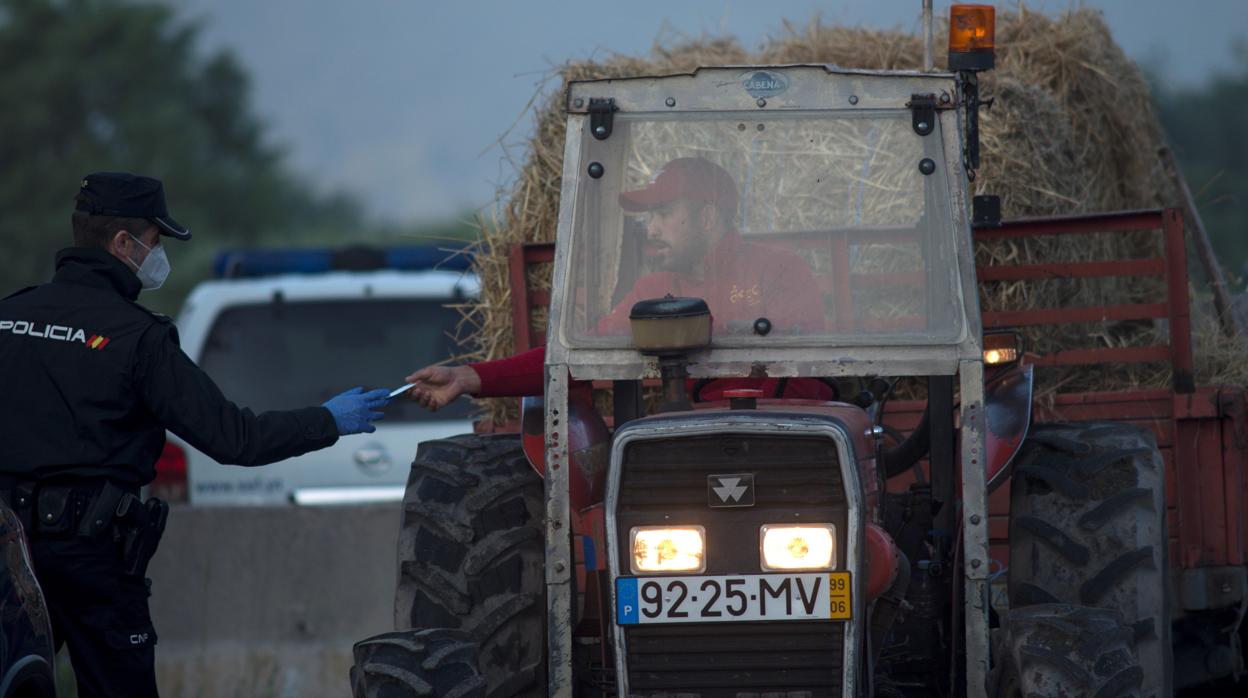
(514,376)
(189,403)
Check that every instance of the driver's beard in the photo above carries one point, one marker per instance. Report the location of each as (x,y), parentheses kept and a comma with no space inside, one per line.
(684,259)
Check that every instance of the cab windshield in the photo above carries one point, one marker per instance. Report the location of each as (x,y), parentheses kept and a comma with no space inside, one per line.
(795,228)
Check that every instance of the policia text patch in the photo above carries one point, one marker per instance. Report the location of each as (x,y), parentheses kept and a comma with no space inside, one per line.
(60,333)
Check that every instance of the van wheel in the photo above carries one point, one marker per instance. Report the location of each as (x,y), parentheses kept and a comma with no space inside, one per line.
(1088,528)
(1063,650)
(409,663)
(471,555)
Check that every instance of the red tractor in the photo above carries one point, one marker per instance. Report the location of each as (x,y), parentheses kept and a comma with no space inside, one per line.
(780,522)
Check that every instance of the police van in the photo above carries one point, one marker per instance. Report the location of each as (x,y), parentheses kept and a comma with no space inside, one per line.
(281,329)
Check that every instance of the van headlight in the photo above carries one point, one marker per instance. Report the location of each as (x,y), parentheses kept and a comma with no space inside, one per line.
(668,549)
(805,547)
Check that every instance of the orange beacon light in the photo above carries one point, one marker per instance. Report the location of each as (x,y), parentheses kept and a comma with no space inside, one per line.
(971,37)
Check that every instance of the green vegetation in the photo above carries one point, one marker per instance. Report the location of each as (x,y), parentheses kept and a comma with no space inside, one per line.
(122,85)
(1205,126)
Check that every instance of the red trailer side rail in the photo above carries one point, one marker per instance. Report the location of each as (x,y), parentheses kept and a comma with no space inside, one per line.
(1201,431)
(524,299)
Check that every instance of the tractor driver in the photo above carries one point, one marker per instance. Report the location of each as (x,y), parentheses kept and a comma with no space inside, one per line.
(692,239)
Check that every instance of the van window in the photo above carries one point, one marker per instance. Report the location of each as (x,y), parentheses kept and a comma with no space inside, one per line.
(289,354)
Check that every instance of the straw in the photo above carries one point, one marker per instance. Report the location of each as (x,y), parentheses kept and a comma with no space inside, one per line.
(1071,129)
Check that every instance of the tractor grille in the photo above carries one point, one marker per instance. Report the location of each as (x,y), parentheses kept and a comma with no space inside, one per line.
(796,478)
(730,660)
(791,472)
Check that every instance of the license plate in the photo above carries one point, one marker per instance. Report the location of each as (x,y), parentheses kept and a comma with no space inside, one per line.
(738,598)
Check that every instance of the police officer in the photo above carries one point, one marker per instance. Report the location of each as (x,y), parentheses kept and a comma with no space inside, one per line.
(89,382)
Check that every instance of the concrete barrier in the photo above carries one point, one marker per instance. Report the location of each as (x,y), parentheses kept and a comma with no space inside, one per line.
(267,601)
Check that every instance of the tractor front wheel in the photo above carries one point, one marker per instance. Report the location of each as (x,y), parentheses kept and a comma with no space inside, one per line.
(416,664)
(471,555)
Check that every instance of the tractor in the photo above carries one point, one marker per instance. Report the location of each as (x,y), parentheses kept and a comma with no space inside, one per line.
(703,533)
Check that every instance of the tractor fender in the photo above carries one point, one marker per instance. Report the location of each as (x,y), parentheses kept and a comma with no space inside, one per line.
(1007,404)
(882,561)
(589,445)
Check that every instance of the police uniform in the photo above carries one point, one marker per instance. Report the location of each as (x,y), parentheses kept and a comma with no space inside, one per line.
(89,382)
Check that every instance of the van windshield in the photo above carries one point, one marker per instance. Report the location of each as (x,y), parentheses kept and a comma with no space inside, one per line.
(290,354)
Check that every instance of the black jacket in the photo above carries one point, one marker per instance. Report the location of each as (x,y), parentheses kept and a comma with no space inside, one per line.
(90,380)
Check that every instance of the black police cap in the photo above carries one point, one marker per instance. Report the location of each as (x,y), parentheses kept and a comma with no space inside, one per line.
(131,196)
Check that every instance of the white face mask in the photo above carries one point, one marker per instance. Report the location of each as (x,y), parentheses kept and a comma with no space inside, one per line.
(155,267)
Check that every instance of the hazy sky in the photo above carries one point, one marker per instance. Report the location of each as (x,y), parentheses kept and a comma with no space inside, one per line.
(403,102)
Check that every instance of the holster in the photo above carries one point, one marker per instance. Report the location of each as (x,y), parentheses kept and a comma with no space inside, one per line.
(141,526)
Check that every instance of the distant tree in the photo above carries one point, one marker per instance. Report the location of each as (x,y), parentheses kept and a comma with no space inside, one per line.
(122,85)
(1205,124)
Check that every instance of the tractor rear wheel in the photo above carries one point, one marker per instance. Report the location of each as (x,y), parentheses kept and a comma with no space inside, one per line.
(1063,650)
(1088,528)
(416,664)
(471,555)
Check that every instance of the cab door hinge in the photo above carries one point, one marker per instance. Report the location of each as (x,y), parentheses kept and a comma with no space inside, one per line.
(601,117)
(922,113)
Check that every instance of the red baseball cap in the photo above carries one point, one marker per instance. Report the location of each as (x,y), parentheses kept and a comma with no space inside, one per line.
(693,178)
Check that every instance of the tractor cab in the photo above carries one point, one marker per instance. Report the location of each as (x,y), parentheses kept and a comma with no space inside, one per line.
(821,215)
(755,233)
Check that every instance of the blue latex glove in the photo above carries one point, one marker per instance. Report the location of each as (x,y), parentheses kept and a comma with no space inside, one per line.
(353,410)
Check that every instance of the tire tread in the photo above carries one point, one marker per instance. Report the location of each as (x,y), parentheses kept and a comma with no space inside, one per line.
(416,664)
(1088,528)
(471,555)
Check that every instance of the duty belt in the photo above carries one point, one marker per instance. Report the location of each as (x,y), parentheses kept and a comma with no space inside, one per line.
(62,508)
(89,508)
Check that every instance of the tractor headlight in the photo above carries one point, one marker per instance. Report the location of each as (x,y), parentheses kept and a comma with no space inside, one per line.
(668,549)
(806,547)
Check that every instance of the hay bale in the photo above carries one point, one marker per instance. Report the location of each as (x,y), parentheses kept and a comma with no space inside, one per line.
(1071,130)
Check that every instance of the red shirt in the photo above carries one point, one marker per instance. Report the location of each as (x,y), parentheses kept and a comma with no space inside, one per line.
(747,281)
(744,281)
